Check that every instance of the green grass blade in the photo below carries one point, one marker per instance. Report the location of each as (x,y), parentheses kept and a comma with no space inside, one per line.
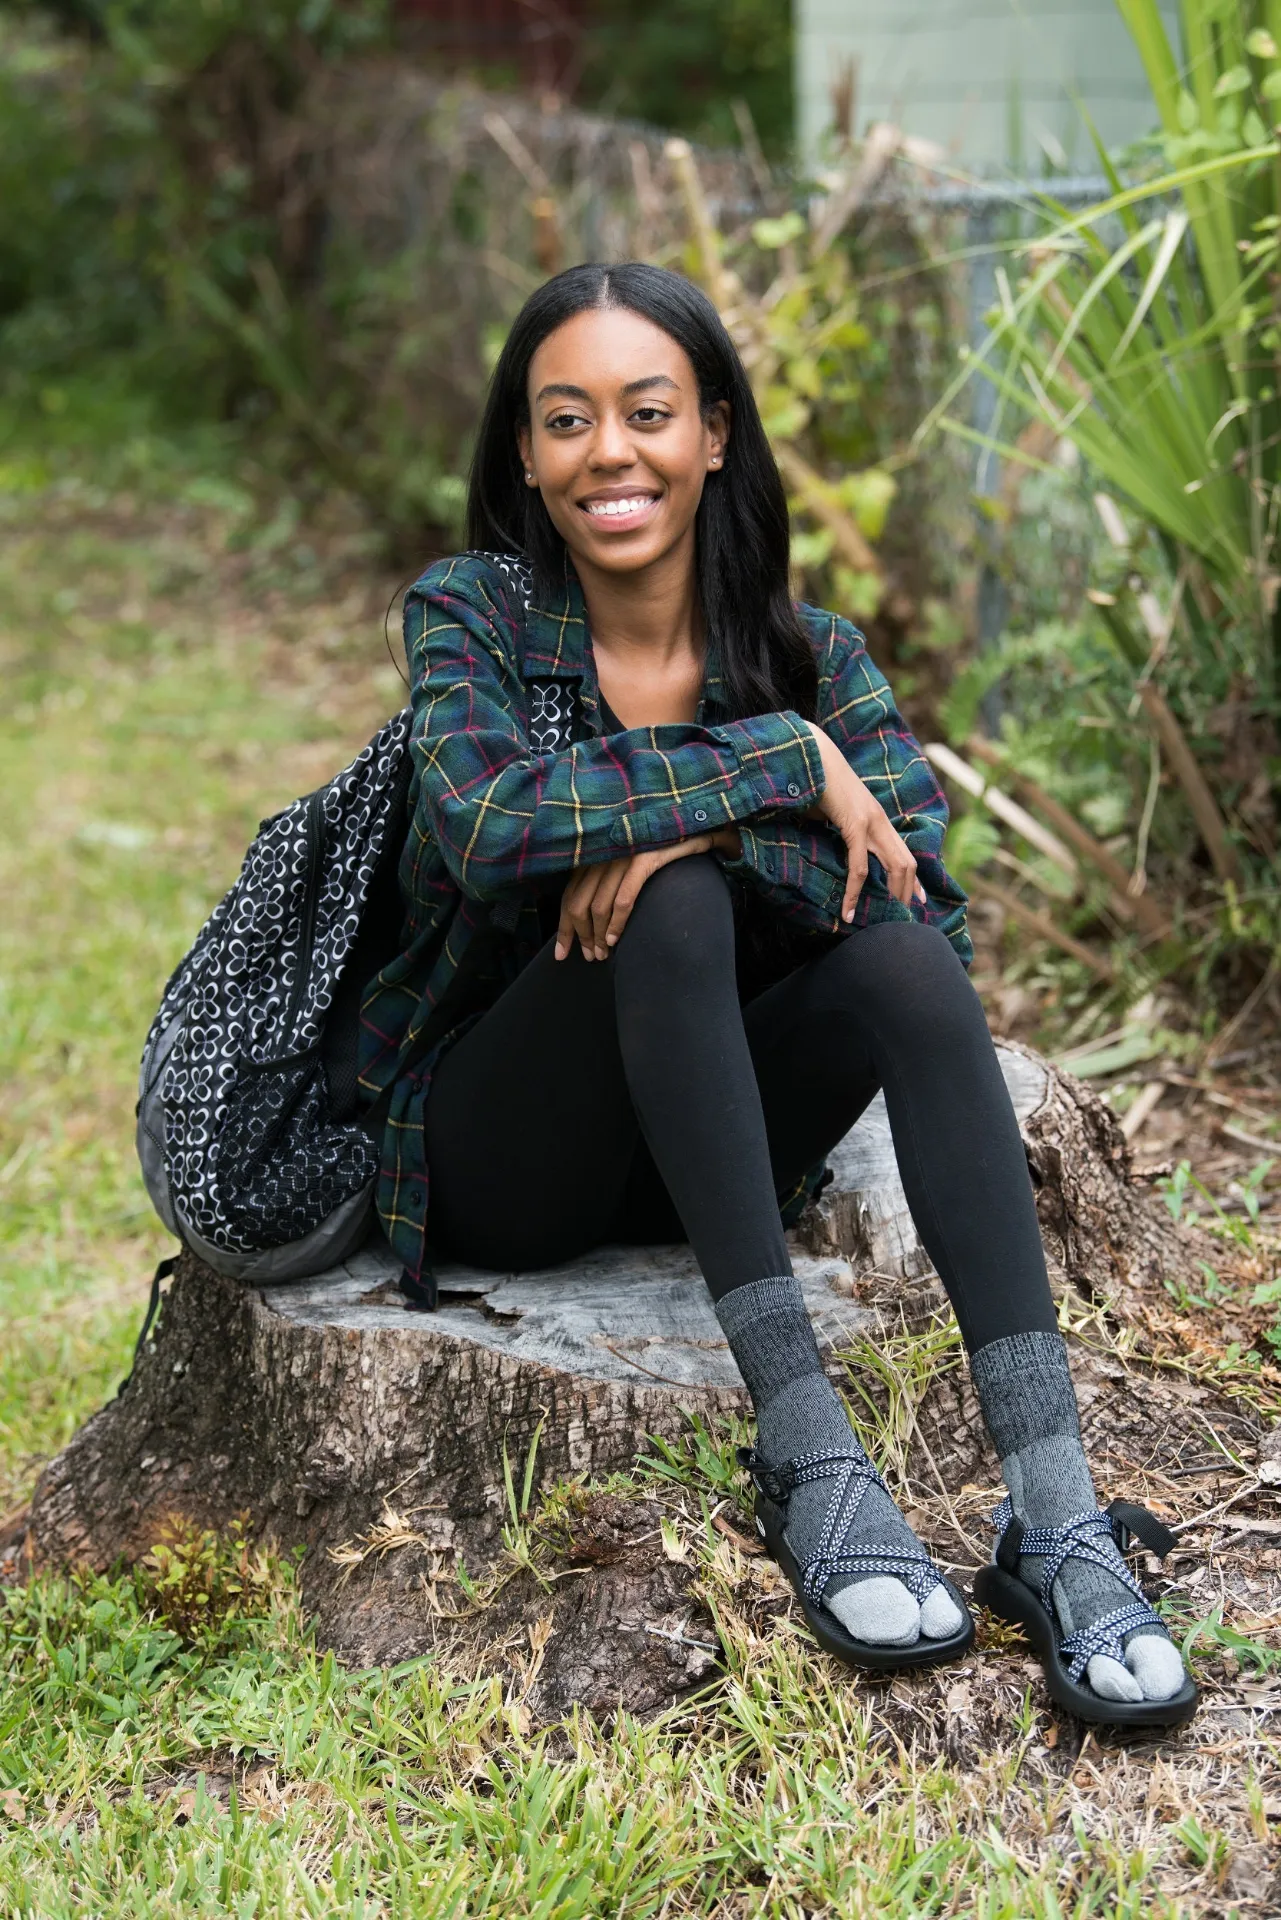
(1175,226)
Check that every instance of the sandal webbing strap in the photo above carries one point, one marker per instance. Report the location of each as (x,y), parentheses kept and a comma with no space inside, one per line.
(1106,1636)
(856,1473)
(1090,1538)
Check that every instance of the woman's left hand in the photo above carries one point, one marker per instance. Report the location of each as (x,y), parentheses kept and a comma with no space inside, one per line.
(598,900)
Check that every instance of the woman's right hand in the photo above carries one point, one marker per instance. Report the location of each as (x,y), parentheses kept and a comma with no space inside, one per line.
(864,826)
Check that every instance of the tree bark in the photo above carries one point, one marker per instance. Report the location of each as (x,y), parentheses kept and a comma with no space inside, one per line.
(390,1443)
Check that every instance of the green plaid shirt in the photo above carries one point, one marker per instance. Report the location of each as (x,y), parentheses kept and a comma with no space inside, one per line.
(515,785)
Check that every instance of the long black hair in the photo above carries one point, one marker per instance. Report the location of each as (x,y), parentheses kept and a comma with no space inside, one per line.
(741,529)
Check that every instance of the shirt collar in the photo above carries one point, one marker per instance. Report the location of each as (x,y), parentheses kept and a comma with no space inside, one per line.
(556,633)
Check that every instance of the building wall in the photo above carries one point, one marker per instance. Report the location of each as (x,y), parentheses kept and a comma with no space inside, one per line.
(991,80)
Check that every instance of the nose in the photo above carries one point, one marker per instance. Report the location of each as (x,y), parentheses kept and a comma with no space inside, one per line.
(611,446)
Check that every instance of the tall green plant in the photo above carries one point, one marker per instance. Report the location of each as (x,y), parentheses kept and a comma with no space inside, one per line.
(1148,328)
(1146,331)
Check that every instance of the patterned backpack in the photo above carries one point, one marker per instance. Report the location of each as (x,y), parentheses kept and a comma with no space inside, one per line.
(252,1147)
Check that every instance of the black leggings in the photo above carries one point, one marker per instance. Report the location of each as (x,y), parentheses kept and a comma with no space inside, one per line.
(634,1099)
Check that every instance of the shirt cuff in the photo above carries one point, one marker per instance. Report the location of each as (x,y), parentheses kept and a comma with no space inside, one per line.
(778,865)
(779,770)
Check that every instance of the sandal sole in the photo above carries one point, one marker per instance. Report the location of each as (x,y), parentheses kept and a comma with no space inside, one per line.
(1007,1597)
(831,1635)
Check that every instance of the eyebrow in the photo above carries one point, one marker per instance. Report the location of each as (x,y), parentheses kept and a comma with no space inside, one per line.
(559,390)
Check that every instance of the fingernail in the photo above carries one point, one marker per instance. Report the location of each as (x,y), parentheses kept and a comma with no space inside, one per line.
(611,939)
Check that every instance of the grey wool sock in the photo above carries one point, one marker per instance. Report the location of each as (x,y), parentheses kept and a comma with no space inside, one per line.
(798,1411)
(1029,1404)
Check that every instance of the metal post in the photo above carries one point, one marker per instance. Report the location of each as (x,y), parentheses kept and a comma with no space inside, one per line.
(993,601)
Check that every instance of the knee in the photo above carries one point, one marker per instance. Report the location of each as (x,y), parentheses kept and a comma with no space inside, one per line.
(682,923)
(908,977)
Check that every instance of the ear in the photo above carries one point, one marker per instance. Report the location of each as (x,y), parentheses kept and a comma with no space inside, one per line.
(525,442)
(718,426)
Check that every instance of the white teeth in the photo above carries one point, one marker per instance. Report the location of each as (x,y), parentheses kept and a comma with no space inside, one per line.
(613,508)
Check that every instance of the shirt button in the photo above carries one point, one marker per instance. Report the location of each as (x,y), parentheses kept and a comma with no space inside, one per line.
(700,813)
(793,790)
(416,1197)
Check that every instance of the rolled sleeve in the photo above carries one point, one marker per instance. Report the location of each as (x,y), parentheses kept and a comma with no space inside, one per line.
(765,766)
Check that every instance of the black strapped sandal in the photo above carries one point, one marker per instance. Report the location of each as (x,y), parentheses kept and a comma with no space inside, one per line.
(774,1487)
(999,1588)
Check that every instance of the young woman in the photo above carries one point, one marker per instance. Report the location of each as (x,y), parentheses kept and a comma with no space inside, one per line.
(676,912)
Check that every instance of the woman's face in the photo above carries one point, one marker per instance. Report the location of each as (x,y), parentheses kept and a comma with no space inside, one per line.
(617,444)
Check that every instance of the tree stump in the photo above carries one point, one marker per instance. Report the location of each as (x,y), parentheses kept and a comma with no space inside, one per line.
(388,1443)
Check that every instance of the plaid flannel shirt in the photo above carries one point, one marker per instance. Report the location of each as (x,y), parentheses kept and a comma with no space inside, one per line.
(494,816)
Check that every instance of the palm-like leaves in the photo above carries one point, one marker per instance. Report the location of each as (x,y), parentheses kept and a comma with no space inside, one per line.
(1156,352)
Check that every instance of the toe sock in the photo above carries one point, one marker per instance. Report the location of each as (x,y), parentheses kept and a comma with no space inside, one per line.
(1028,1401)
(799,1412)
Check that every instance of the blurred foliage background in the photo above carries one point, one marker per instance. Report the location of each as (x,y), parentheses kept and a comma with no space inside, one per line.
(256,261)
(281,242)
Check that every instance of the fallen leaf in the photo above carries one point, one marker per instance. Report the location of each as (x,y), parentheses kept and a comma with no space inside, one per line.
(1050,1738)
(184,1805)
(13,1806)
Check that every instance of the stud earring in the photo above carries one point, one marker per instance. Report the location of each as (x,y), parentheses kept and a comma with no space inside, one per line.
(528,475)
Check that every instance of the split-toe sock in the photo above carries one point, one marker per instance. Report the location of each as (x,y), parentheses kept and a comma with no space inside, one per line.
(806,1418)
(1028,1402)
(848,1524)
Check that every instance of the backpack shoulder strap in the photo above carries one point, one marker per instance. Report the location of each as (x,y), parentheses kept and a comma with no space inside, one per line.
(162,1273)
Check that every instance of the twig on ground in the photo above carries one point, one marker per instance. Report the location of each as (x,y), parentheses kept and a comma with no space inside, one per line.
(740,1540)
(1150,915)
(1245,1139)
(682,1639)
(1041,924)
(1206,1519)
(1146,1102)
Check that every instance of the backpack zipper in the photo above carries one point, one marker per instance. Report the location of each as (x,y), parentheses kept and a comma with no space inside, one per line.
(315,855)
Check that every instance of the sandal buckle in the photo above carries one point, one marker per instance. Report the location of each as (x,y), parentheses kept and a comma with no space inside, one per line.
(773,1482)
(1131,1522)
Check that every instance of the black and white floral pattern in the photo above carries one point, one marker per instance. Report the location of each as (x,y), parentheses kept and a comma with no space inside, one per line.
(554,714)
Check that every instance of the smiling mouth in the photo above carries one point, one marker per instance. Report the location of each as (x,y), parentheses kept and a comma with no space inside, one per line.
(630,508)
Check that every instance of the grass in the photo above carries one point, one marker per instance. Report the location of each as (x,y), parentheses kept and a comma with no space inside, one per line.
(147,727)
(172,1742)
(245,1773)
